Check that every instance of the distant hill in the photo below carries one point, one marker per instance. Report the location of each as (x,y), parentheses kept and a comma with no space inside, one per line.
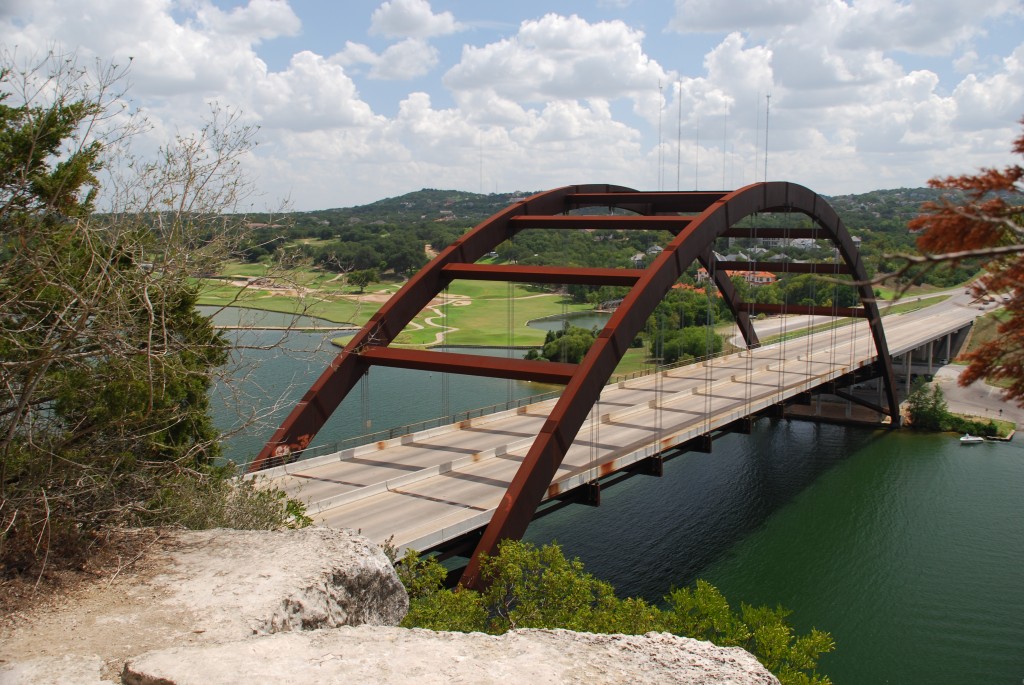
(879,210)
(391,235)
(892,208)
(427,205)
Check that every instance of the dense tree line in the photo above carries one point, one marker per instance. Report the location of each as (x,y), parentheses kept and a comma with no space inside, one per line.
(391,235)
(105,364)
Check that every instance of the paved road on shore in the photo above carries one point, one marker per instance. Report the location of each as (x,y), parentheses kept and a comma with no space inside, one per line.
(977,399)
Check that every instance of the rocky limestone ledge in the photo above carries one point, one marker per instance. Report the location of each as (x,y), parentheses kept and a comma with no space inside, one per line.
(227,606)
(421,657)
(202,587)
(240,582)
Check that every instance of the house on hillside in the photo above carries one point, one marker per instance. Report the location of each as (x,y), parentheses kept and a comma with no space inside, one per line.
(754,278)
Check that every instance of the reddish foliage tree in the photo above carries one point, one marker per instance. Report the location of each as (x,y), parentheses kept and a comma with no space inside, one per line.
(987,220)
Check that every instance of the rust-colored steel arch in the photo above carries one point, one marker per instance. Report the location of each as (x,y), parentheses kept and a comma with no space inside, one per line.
(696,220)
(657,211)
(717,218)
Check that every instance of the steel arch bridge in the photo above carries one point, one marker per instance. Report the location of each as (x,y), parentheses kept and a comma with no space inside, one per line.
(695,220)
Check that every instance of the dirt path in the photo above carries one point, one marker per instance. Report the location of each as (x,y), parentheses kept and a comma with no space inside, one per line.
(439,313)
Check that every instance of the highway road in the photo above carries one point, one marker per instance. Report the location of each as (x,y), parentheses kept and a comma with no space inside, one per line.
(429,487)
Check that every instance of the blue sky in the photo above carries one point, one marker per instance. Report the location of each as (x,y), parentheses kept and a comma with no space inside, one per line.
(362,99)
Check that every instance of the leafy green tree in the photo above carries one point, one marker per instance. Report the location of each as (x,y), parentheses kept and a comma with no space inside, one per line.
(926,406)
(928,410)
(405,256)
(105,364)
(570,345)
(531,587)
(363,278)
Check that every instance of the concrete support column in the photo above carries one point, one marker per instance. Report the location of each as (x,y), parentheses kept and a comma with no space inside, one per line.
(930,346)
(907,360)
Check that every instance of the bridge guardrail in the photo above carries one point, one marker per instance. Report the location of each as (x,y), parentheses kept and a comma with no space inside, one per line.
(406,429)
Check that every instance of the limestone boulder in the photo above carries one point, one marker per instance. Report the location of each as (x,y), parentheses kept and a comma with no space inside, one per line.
(419,657)
(238,583)
(202,587)
(55,670)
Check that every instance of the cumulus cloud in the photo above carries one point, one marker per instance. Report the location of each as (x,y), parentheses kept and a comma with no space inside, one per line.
(404,60)
(259,19)
(210,51)
(921,26)
(924,26)
(556,58)
(992,101)
(310,94)
(412,19)
(559,99)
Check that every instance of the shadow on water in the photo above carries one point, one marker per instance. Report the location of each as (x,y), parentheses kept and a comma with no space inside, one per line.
(652,534)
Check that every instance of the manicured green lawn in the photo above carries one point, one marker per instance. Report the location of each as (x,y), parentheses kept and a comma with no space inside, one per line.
(483,321)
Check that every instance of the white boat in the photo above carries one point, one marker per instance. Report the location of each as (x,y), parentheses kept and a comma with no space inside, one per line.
(969,439)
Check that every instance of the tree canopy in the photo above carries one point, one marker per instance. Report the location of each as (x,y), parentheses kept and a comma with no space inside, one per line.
(105,363)
(538,587)
(982,215)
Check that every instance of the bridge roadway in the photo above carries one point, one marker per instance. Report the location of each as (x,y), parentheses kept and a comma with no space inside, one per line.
(430,487)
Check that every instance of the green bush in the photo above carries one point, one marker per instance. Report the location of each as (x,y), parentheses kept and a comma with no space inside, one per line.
(213,498)
(531,587)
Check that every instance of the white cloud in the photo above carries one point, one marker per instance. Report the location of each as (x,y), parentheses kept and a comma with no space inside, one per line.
(966,62)
(560,58)
(994,101)
(310,94)
(562,99)
(739,70)
(259,19)
(411,18)
(405,60)
(210,52)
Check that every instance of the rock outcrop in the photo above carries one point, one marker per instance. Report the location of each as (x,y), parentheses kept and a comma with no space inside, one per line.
(239,582)
(420,657)
(313,605)
(201,587)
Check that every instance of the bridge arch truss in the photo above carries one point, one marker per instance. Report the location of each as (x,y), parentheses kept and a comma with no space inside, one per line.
(695,220)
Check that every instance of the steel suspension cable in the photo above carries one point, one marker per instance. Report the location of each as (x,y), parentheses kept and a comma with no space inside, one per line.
(781,371)
(810,330)
(749,361)
(659,380)
(510,307)
(709,377)
(364,401)
(446,408)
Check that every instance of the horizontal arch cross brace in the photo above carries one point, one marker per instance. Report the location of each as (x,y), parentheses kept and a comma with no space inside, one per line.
(543,274)
(470,364)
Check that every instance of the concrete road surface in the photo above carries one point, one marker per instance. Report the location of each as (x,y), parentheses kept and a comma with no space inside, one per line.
(977,399)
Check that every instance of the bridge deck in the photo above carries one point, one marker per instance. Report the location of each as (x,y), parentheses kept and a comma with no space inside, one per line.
(425,488)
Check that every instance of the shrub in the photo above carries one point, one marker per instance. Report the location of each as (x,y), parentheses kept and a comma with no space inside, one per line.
(531,587)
